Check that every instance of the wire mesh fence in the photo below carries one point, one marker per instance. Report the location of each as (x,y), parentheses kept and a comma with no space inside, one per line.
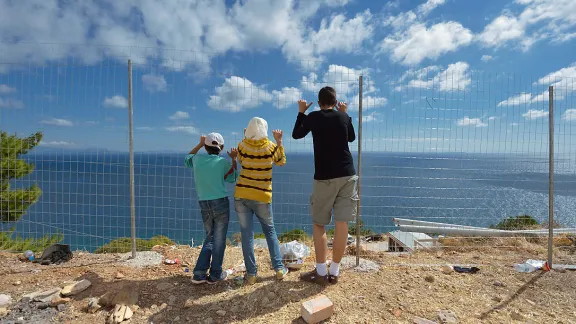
(450,156)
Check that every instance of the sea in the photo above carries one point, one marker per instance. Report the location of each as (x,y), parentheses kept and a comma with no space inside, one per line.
(86,195)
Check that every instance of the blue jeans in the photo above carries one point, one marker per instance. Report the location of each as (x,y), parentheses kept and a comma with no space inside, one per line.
(215,215)
(263,211)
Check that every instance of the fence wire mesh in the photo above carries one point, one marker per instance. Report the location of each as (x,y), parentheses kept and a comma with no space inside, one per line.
(456,150)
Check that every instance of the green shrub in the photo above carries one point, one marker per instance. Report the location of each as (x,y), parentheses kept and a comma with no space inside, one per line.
(124,244)
(522,222)
(9,242)
(295,234)
(259,236)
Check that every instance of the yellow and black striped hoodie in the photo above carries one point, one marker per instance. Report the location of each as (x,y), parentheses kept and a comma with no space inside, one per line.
(256,158)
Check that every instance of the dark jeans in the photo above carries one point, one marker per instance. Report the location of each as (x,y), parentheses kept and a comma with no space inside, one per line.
(215,215)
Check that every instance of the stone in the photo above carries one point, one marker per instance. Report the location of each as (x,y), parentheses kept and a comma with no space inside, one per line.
(221,312)
(93,305)
(163,286)
(499,284)
(208,320)
(189,303)
(18,283)
(125,296)
(316,310)
(497,299)
(177,319)
(61,307)
(119,275)
(429,278)
(447,270)
(118,313)
(76,287)
(172,300)
(57,300)
(420,320)
(396,312)
(265,301)
(42,296)
(447,317)
(5,300)
(271,295)
(128,314)
(3,311)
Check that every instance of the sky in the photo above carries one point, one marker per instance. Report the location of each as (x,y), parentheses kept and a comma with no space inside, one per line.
(437,75)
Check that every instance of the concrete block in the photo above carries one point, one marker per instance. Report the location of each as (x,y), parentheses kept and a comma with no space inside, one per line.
(317,310)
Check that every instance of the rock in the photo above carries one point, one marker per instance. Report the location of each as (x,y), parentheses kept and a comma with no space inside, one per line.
(429,278)
(208,320)
(42,296)
(126,296)
(18,283)
(420,320)
(57,300)
(119,275)
(93,305)
(447,317)
(5,300)
(163,306)
(265,301)
(221,312)
(447,269)
(76,287)
(118,313)
(172,300)
(271,295)
(189,303)
(42,305)
(530,302)
(61,307)
(560,269)
(396,312)
(3,311)
(499,284)
(163,286)
(497,299)
(128,314)
(516,316)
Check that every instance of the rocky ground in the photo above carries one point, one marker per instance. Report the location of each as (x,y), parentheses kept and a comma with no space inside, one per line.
(406,289)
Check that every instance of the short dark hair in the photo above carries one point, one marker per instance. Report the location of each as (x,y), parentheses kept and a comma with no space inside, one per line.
(212,150)
(327,97)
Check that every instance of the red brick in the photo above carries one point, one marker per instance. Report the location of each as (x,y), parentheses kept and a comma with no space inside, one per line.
(317,310)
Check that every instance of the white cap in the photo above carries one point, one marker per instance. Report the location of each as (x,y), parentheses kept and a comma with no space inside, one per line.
(214,140)
(257,129)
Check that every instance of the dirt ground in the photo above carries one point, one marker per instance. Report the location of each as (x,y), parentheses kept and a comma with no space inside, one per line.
(406,287)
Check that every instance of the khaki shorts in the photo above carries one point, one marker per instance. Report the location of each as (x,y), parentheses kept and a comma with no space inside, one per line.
(340,195)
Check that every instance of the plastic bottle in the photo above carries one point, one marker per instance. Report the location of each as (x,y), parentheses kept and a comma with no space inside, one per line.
(524,267)
(29,255)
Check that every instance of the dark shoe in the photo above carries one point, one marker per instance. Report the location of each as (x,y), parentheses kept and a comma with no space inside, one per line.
(212,281)
(199,279)
(333,279)
(314,277)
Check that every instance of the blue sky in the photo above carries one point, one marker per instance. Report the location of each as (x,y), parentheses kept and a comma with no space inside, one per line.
(439,75)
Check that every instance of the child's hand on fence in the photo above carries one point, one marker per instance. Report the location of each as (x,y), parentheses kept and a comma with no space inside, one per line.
(277,136)
(342,107)
(233,153)
(203,139)
(303,105)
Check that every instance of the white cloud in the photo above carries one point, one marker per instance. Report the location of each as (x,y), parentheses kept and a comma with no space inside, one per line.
(466,121)
(371,117)
(456,77)
(569,115)
(417,43)
(236,94)
(310,82)
(368,102)
(56,143)
(520,99)
(5,89)
(179,115)
(538,20)
(487,58)
(183,129)
(57,122)
(161,26)
(11,103)
(492,118)
(565,75)
(428,6)
(286,97)
(116,102)
(154,83)
(535,114)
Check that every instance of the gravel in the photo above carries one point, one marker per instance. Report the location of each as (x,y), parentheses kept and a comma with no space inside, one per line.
(349,262)
(143,259)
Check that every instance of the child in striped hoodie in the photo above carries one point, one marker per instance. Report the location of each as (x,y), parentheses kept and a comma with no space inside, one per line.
(257,155)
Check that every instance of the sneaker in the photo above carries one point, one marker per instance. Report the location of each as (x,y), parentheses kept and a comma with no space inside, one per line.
(314,277)
(199,279)
(212,281)
(249,280)
(281,274)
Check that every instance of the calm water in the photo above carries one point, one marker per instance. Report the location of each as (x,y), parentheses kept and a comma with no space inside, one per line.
(86,195)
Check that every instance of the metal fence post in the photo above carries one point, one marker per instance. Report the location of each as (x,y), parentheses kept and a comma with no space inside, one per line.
(550,173)
(359,170)
(131,145)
